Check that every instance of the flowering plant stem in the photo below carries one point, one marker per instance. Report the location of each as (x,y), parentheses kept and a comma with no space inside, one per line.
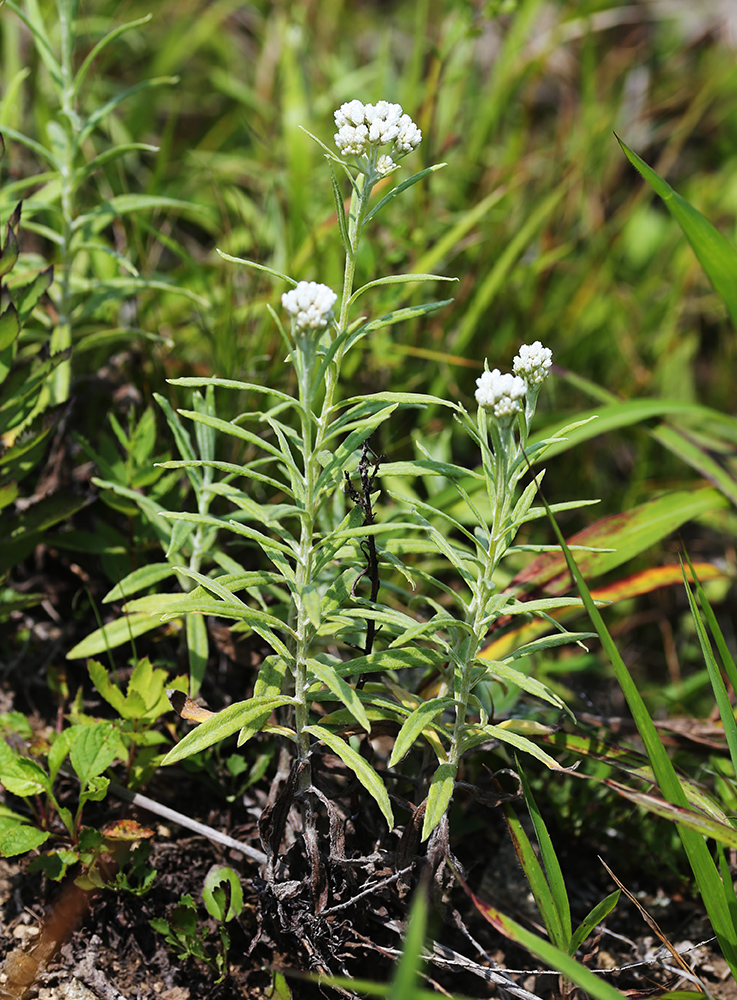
(314,430)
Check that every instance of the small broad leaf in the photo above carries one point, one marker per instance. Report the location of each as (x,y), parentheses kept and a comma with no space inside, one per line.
(109,691)
(20,775)
(93,749)
(222,893)
(17,837)
(363,771)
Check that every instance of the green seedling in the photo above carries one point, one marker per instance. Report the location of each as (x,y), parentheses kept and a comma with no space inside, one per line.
(546,880)
(187,938)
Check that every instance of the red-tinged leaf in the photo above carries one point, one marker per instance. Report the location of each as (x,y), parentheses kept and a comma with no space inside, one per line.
(634,585)
(553,957)
(628,534)
(707,826)
(126,829)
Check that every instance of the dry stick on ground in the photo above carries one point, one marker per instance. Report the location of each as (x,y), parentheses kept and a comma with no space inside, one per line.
(144,802)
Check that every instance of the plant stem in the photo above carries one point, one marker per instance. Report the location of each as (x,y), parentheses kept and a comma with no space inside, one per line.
(61,338)
(313,444)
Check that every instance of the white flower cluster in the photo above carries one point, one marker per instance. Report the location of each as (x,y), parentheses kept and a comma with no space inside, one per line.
(362,127)
(311,305)
(532,362)
(500,393)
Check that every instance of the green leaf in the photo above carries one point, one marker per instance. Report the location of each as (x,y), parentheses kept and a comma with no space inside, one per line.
(198,650)
(401,316)
(403,187)
(474,734)
(714,893)
(536,879)
(716,254)
(400,279)
(222,725)
(626,534)
(109,691)
(222,905)
(20,775)
(439,796)
(9,326)
(18,837)
(270,678)
(339,210)
(553,872)
(93,750)
(613,416)
(367,776)
(335,683)
(405,981)
(553,957)
(508,675)
(595,916)
(32,19)
(257,267)
(413,726)
(139,579)
(99,46)
(114,634)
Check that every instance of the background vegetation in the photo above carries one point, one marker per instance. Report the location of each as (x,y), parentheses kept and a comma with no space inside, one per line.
(552,233)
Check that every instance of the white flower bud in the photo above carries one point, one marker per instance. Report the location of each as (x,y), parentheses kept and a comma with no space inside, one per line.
(352,140)
(362,127)
(532,362)
(408,136)
(385,165)
(311,305)
(500,393)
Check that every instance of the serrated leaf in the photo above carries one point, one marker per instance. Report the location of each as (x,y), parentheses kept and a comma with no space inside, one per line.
(367,776)
(93,750)
(20,775)
(109,691)
(18,837)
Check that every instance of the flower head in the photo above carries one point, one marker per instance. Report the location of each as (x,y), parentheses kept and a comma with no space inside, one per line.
(311,305)
(532,362)
(362,128)
(500,393)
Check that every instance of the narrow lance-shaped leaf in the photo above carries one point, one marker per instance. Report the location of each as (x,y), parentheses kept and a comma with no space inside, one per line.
(413,726)
(221,725)
(716,897)
(716,254)
(363,771)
